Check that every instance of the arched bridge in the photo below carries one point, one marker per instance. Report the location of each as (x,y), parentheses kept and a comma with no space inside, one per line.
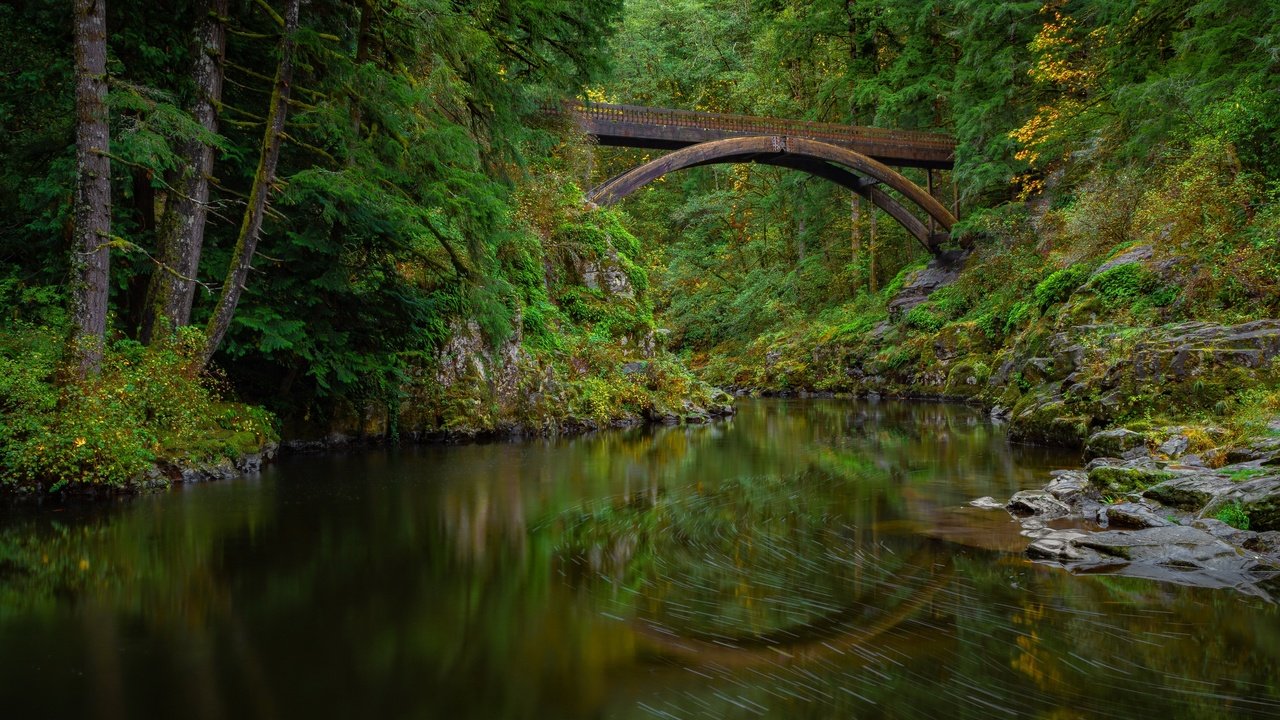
(858,158)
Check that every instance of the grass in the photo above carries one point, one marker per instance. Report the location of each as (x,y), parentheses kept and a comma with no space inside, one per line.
(1234,515)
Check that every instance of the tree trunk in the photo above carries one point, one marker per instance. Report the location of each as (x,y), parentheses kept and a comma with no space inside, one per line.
(263,178)
(91,259)
(855,228)
(173,284)
(362,57)
(871,252)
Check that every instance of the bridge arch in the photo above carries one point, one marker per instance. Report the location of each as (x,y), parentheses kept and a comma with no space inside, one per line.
(842,166)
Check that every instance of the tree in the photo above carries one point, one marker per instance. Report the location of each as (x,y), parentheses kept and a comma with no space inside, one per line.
(263,179)
(92,231)
(182,237)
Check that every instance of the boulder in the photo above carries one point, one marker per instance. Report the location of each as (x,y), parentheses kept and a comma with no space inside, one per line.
(1259,497)
(1067,485)
(1133,515)
(1175,553)
(1122,479)
(1036,503)
(1113,443)
(1061,545)
(986,503)
(1189,492)
(1175,446)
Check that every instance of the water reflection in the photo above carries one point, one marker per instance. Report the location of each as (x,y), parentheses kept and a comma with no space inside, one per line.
(804,559)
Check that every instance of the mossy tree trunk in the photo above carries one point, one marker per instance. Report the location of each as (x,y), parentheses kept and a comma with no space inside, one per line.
(173,283)
(250,229)
(91,259)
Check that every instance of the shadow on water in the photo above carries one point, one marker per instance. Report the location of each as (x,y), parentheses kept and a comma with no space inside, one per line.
(804,559)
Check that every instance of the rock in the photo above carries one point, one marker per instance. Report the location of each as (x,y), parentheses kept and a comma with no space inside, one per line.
(1267,543)
(1223,531)
(635,368)
(1120,479)
(607,275)
(1067,485)
(1102,462)
(1133,515)
(942,270)
(1258,497)
(1038,503)
(1061,545)
(1174,447)
(1175,553)
(1037,370)
(1189,492)
(1173,546)
(1140,253)
(1190,349)
(1113,443)
(1000,413)
(986,503)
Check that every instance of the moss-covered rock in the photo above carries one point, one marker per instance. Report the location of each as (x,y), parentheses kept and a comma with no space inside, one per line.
(1118,479)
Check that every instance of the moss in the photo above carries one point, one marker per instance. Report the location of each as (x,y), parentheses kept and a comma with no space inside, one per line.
(1124,480)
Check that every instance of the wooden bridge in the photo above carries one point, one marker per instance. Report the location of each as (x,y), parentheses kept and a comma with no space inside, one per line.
(858,158)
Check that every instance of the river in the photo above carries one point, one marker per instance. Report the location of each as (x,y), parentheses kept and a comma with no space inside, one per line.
(804,559)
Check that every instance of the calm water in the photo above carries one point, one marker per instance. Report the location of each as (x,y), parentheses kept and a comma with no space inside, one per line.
(805,559)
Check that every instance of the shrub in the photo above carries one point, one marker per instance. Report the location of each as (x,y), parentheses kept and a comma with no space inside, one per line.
(1234,515)
(104,431)
(1059,285)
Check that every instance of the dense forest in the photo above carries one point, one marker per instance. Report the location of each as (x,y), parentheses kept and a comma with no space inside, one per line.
(230,221)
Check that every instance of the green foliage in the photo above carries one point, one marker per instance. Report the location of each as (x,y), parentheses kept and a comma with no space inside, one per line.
(1234,515)
(147,404)
(1132,285)
(923,317)
(1059,286)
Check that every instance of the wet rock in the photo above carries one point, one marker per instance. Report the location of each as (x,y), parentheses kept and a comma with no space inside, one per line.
(1000,414)
(1189,492)
(986,503)
(1036,503)
(1223,531)
(1067,485)
(1061,545)
(1266,543)
(1176,544)
(1113,443)
(1258,497)
(1121,479)
(1133,515)
(1176,553)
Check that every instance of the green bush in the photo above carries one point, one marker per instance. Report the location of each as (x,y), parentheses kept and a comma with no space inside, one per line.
(105,431)
(1234,515)
(1059,285)
(922,317)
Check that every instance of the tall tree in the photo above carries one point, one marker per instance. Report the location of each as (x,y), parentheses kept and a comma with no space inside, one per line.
(91,251)
(263,179)
(182,238)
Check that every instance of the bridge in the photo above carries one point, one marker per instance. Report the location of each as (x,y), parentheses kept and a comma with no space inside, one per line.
(861,159)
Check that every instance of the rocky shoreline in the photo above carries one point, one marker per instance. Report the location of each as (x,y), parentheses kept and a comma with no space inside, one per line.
(1144,506)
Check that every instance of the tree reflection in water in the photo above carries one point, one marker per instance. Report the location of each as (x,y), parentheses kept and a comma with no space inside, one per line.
(804,559)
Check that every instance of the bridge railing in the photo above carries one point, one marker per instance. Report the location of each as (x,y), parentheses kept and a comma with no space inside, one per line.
(634,114)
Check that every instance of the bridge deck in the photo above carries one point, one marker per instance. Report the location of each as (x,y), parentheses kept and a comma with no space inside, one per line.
(664,129)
